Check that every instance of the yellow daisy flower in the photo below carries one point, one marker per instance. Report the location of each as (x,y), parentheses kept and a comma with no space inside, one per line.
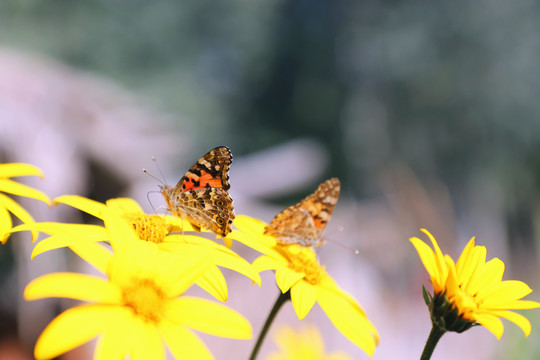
(138,308)
(471,291)
(152,228)
(306,344)
(8,205)
(299,273)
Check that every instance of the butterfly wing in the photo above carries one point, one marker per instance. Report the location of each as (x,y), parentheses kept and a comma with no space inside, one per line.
(208,208)
(304,223)
(211,170)
(201,195)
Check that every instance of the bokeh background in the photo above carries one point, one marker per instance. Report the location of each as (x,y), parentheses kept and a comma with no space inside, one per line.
(427,111)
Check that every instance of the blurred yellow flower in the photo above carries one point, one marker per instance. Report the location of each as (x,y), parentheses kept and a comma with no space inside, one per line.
(298,271)
(138,308)
(152,228)
(306,344)
(471,291)
(8,205)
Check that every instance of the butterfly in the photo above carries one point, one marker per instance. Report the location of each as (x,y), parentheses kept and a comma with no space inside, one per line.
(304,223)
(201,196)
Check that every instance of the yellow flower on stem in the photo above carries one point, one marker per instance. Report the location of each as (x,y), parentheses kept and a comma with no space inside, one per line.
(306,344)
(304,281)
(470,292)
(138,308)
(152,228)
(8,205)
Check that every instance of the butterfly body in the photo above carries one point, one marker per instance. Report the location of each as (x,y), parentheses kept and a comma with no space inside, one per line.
(201,195)
(304,223)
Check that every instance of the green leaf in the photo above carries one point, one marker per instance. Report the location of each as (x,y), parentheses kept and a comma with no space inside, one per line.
(426,295)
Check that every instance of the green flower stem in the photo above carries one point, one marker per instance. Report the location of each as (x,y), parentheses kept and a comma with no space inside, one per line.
(282,298)
(434,337)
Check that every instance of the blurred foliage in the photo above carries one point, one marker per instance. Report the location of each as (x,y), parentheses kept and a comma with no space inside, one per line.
(448,88)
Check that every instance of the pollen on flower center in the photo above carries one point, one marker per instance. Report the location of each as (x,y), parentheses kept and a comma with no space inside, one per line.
(304,260)
(151,228)
(145,299)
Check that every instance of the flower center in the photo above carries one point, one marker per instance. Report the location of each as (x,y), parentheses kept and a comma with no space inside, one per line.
(303,259)
(151,228)
(466,303)
(145,299)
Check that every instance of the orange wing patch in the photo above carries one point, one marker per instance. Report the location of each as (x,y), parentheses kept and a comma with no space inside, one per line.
(201,195)
(304,223)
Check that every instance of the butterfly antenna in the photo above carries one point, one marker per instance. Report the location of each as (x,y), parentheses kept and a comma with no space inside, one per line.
(353,250)
(162,181)
(159,170)
(153,177)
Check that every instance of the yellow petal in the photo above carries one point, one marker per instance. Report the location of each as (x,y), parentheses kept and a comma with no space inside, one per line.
(512,304)
(251,233)
(182,343)
(338,356)
(50,243)
(226,241)
(303,297)
(121,235)
(285,278)
(19,169)
(108,348)
(505,291)
(89,206)
(72,286)
(186,226)
(352,324)
(125,206)
(428,259)
(471,269)
(257,242)
(213,282)
(175,222)
(465,258)
(330,285)
(93,253)
(184,239)
(15,188)
(72,328)
(248,224)
(174,272)
(81,238)
(452,287)
(439,258)
(487,275)
(114,342)
(17,210)
(228,259)
(145,341)
(288,341)
(5,225)
(490,322)
(304,344)
(219,254)
(208,317)
(75,231)
(263,263)
(521,321)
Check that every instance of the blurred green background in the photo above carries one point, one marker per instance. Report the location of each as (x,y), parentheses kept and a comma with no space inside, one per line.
(447,90)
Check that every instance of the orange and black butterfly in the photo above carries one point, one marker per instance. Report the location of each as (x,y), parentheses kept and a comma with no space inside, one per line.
(304,223)
(201,195)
